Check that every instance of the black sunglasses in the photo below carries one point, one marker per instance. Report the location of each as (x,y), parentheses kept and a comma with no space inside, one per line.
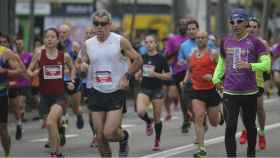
(232,22)
(98,23)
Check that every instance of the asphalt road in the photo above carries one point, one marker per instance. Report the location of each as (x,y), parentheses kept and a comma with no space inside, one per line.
(173,142)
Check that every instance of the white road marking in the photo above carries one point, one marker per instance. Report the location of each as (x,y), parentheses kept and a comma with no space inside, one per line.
(127,126)
(72,135)
(190,147)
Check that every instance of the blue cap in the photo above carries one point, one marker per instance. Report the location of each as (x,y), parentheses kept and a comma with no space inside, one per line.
(239,14)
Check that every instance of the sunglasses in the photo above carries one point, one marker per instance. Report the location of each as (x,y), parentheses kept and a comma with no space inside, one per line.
(232,22)
(99,23)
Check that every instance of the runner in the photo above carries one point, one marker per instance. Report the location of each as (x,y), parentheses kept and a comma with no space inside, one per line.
(184,53)
(205,99)
(49,64)
(89,33)
(9,66)
(154,71)
(76,95)
(21,92)
(240,53)
(254,29)
(109,78)
(178,72)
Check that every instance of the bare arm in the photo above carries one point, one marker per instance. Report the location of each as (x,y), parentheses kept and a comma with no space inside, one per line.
(70,65)
(82,62)
(15,64)
(33,69)
(131,53)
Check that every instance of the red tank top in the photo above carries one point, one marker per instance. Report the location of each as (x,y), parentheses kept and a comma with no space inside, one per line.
(51,74)
(199,67)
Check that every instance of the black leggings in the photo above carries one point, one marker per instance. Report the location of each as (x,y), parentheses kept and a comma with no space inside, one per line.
(232,105)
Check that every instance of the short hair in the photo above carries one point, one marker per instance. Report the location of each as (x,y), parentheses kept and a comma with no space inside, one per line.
(256,20)
(101,13)
(192,21)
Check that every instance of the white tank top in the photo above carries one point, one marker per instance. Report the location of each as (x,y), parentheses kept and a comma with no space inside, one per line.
(107,64)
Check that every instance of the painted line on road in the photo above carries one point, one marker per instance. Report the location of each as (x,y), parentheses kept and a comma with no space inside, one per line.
(190,147)
(127,126)
(71,135)
(271,100)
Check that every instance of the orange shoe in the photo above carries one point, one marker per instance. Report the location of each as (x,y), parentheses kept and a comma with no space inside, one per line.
(243,137)
(262,142)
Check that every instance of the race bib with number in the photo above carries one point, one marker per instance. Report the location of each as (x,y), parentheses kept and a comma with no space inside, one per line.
(52,72)
(147,69)
(103,76)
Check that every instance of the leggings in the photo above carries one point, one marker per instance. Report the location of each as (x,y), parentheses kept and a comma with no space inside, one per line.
(232,105)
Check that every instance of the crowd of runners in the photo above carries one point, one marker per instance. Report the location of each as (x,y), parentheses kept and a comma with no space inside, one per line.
(212,79)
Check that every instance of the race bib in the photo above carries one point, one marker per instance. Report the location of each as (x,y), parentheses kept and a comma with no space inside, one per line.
(52,72)
(103,76)
(147,69)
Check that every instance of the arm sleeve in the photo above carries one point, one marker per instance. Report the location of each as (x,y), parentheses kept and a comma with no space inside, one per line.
(263,65)
(219,71)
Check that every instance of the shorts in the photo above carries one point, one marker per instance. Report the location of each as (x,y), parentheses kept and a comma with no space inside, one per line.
(260,92)
(77,88)
(153,94)
(210,97)
(47,101)
(186,92)
(4,109)
(84,90)
(105,102)
(34,90)
(14,92)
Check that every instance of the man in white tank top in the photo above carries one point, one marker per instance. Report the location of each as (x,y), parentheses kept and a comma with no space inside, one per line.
(109,76)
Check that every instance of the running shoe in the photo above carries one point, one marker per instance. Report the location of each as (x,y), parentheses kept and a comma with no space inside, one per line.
(47,145)
(80,121)
(156,145)
(56,155)
(243,137)
(262,142)
(200,153)
(124,146)
(19,132)
(149,129)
